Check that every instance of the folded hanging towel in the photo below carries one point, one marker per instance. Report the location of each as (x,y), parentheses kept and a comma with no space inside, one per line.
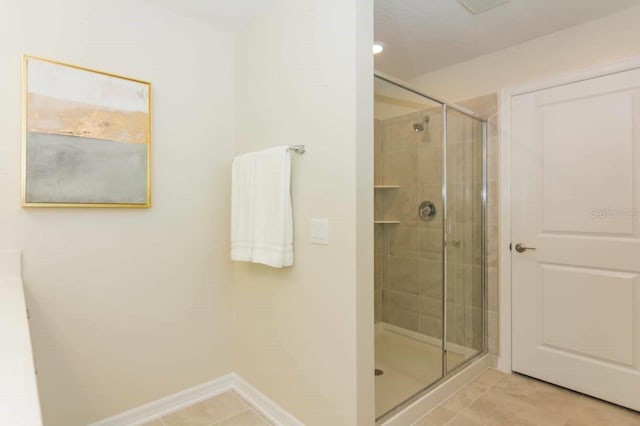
(261,213)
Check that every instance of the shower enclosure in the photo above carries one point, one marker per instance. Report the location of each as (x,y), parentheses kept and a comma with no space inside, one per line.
(430,198)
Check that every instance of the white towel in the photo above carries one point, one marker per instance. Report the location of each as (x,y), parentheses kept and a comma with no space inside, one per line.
(261,214)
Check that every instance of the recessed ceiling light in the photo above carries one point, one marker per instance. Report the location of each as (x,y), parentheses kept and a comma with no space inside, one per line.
(378,47)
(479,6)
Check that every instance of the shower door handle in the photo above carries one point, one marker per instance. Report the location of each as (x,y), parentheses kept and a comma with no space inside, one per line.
(521,248)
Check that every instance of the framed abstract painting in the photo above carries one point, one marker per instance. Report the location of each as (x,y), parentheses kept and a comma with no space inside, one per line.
(86,137)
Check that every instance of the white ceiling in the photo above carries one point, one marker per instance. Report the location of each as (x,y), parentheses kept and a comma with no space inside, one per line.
(425,35)
(229,14)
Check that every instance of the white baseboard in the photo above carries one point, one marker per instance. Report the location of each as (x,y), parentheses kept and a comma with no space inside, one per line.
(504,364)
(262,404)
(172,403)
(495,362)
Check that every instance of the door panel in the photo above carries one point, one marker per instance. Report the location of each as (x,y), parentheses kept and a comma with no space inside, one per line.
(578,180)
(588,311)
(575,199)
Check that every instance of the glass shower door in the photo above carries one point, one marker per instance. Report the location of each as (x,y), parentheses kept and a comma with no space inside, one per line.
(408,249)
(464,251)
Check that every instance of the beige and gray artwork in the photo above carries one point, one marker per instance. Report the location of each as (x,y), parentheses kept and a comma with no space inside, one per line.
(87,136)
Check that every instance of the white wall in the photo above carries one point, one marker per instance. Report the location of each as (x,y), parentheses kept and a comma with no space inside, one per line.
(19,404)
(127,306)
(602,41)
(304,335)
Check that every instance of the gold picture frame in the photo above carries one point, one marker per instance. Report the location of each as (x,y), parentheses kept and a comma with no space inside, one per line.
(86,137)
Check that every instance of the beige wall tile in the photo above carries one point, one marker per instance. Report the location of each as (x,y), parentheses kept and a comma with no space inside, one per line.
(430,276)
(400,168)
(379,208)
(431,326)
(451,280)
(431,307)
(401,301)
(492,246)
(401,149)
(378,265)
(404,240)
(492,329)
(430,244)
(401,204)
(403,274)
(378,137)
(430,170)
(402,318)
(380,240)
(492,288)
(472,286)
(492,203)
(473,328)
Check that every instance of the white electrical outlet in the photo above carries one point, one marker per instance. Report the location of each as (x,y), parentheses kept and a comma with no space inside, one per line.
(320,231)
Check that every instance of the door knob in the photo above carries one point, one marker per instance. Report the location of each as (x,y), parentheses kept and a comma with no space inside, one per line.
(521,248)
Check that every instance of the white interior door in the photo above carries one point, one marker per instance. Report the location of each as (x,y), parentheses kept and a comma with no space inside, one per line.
(576,199)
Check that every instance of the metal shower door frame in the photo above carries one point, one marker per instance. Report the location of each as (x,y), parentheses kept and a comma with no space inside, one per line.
(445,375)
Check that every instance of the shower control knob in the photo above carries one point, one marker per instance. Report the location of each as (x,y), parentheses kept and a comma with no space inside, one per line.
(521,248)
(427,210)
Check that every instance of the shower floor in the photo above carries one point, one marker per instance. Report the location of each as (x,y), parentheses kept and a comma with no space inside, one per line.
(409,365)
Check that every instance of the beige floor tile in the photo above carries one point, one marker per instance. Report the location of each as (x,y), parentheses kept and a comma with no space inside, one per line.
(208,412)
(544,396)
(489,377)
(497,408)
(593,412)
(246,418)
(516,400)
(463,398)
(464,419)
(439,416)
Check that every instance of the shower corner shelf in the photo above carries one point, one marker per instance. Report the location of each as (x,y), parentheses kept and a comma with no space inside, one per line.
(386,186)
(386,222)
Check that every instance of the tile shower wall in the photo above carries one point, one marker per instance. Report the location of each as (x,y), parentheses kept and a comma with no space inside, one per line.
(464,248)
(408,255)
(487,106)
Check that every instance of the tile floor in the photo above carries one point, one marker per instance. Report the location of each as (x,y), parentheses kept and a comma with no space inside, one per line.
(499,399)
(226,409)
(494,398)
